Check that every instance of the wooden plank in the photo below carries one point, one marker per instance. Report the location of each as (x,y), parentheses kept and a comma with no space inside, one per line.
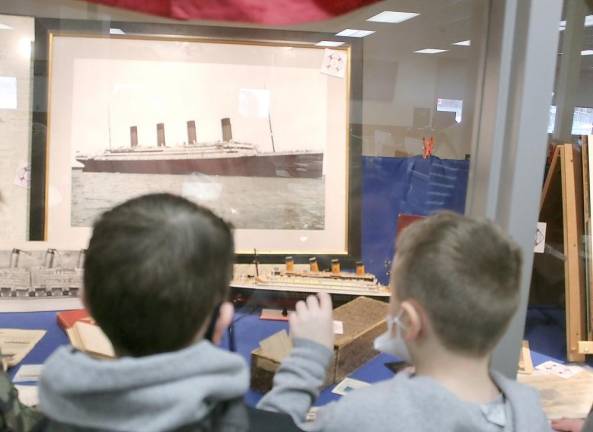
(548,284)
(550,178)
(562,397)
(588,238)
(586,230)
(585,347)
(573,229)
(525,361)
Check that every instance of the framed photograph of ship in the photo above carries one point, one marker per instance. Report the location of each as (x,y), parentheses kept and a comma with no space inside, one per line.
(255,124)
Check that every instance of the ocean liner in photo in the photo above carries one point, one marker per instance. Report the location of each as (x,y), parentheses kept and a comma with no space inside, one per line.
(224,158)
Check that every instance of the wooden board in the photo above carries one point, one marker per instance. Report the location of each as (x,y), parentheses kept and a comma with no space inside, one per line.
(548,268)
(572,211)
(525,361)
(562,397)
(586,231)
(587,184)
(562,266)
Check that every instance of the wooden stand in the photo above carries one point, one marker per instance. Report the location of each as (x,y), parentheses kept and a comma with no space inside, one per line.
(562,208)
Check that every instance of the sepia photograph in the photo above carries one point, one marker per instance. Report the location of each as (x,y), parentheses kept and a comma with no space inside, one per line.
(241,128)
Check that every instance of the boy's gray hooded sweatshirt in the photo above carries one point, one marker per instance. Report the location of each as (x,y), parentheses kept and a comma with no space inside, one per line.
(403,403)
(153,393)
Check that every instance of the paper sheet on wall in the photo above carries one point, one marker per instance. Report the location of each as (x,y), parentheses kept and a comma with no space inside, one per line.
(334,63)
(540,238)
(17,343)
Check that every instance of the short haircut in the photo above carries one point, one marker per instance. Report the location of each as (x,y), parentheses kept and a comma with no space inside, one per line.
(155,269)
(465,273)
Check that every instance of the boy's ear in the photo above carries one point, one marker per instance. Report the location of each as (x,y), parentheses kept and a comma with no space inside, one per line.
(412,319)
(225,318)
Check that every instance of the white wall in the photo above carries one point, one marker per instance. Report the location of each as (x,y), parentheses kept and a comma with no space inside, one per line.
(15,127)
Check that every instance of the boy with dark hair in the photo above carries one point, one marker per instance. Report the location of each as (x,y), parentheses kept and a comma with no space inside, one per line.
(156,280)
(455,287)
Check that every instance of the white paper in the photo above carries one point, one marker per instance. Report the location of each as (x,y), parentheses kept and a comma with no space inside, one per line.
(8,92)
(540,238)
(558,369)
(28,395)
(28,373)
(338,327)
(348,385)
(18,343)
(334,63)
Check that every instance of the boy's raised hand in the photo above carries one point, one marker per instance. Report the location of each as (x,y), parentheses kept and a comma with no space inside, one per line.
(313,320)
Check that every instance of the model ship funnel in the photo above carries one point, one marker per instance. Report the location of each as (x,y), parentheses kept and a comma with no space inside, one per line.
(227,132)
(192,137)
(360,270)
(289,264)
(133,136)
(313,266)
(335,266)
(160,135)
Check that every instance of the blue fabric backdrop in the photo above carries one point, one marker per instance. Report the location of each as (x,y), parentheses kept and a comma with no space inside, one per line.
(393,186)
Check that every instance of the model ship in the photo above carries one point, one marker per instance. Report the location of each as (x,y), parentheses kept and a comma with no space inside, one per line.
(226,157)
(314,280)
(45,281)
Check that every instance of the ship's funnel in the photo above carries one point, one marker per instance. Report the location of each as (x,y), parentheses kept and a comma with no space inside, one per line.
(227,132)
(133,136)
(336,266)
(160,134)
(191,132)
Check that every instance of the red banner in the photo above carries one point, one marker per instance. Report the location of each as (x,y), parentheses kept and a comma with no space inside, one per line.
(254,11)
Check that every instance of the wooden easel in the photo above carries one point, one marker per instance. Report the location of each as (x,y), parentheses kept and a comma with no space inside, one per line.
(562,208)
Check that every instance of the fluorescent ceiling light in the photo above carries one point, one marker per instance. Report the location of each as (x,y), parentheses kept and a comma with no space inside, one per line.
(116,31)
(329,43)
(587,52)
(5,27)
(355,33)
(392,17)
(463,43)
(430,51)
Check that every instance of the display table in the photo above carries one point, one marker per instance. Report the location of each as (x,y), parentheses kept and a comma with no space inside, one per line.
(249,330)
(543,334)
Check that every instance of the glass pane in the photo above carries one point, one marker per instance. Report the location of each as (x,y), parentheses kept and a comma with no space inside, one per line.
(318,141)
(561,278)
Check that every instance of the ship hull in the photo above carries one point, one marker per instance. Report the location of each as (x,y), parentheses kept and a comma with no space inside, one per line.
(305,165)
